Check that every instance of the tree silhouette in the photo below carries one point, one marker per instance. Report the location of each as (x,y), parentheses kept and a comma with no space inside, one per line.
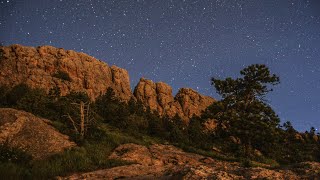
(243,111)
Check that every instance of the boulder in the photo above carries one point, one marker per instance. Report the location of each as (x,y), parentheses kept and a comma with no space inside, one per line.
(22,130)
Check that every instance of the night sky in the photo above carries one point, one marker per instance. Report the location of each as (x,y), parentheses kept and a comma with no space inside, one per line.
(186,42)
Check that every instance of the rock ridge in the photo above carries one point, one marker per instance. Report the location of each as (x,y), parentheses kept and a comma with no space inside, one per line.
(158,96)
(47,67)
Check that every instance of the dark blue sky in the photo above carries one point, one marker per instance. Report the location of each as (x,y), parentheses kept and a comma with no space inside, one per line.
(186,42)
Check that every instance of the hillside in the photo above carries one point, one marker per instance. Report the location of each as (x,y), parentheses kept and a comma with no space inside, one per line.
(67,115)
(134,157)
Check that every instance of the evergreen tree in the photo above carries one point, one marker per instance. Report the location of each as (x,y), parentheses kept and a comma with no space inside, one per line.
(197,136)
(243,112)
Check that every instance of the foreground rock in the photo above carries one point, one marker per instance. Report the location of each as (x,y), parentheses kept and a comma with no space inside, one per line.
(19,129)
(158,96)
(47,67)
(168,162)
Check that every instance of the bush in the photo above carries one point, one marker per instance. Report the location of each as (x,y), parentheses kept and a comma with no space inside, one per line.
(3,94)
(62,75)
(246,163)
(13,155)
(14,163)
(16,93)
(14,171)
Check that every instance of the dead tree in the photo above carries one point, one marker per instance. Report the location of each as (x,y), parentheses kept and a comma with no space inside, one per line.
(85,120)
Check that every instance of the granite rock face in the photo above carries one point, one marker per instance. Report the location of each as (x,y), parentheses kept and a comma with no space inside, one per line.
(158,96)
(22,130)
(42,67)
(47,67)
(192,103)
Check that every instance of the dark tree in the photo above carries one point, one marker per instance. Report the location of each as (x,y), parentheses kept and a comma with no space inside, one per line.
(243,112)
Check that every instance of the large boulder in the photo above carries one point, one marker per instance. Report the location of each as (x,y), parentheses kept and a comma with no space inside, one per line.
(47,67)
(22,130)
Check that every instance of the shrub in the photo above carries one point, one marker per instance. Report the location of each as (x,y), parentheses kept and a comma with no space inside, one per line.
(13,163)
(16,93)
(62,75)
(12,171)
(13,155)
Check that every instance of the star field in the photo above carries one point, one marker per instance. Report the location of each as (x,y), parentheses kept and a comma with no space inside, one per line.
(186,42)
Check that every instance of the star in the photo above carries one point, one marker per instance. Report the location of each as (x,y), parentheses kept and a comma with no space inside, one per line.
(185,43)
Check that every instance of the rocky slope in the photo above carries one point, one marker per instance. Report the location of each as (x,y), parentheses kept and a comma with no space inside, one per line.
(168,162)
(47,67)
(22,130)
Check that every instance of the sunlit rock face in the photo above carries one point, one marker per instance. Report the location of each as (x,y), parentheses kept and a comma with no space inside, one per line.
(158,96)
(42,67)
(47,67)
(192,103)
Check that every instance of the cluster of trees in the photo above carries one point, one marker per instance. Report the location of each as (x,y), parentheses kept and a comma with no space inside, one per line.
(246,124)
(243,113)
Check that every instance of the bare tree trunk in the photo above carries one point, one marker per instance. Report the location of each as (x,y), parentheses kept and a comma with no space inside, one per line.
(87,117)
(81,119)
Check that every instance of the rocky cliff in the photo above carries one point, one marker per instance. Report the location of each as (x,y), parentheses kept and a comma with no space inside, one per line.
(47,67)
(158,96)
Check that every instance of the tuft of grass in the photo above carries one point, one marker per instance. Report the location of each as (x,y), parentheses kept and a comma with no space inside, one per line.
(79,159)
(211,154)
(247,163)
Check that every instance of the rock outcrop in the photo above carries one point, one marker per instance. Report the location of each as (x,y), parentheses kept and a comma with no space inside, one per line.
(22,130)
(192,103)
(168,162)
(158,96)
(46,67)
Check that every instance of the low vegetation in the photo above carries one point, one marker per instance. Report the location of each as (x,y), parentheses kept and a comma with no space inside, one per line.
(248,130)
(62,75)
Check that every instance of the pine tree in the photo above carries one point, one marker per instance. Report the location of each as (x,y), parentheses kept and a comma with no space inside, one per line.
(243,111)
